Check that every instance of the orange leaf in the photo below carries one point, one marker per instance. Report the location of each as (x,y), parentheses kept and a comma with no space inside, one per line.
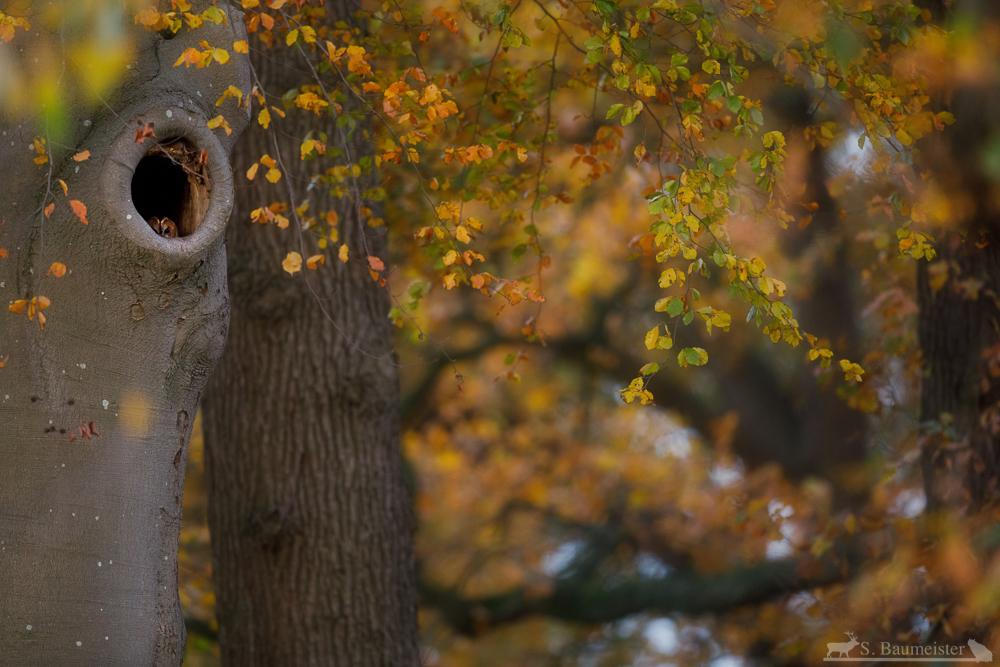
(58,269)
(18,306)
(48,209)
(81,156)
(252,171)
(267,20)
(64,187)
(315,260)
(376,263)
(80,209)
(3,362)
(3,253)
(343,253)
(143,132)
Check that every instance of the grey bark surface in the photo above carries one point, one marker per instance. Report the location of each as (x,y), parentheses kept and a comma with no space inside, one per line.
(89,528)
(311,522)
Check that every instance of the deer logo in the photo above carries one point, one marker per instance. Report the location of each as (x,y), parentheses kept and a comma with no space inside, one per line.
(843,648)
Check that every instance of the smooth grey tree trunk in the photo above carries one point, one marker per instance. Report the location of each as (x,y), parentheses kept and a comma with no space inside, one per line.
(89,526)
(311,522)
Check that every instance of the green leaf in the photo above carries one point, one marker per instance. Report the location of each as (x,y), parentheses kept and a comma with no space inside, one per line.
(606,7)
(650,368)
(717,89)
(694,356)
(614,110)
(757,116)
(510,359)
(517,252)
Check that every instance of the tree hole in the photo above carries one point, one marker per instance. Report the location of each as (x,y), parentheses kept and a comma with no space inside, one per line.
(171,183)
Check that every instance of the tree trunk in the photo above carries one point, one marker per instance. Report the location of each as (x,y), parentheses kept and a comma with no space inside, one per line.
(96,408)
(959,324)
(311,522)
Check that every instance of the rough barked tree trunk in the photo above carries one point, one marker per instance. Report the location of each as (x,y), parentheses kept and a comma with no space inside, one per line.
(958,292)
(311,522)
(96,409)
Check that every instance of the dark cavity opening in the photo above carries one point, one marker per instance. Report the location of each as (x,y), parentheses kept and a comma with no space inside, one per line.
(171,185)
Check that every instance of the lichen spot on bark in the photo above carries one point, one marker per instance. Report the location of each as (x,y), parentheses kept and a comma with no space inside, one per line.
(171,187)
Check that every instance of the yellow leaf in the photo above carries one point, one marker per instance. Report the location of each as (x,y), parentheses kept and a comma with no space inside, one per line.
(343,253)
(291,37)
(264,118)
(273,175)
(250,4)
(462,234)
(252,171)
(267,160)
(292,263)
(315,260)
(241,47)
(220,121)
(64,187)
(652,337)
(220,55)
(616,45)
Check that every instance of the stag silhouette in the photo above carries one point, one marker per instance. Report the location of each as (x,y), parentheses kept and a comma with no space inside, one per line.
(843,648)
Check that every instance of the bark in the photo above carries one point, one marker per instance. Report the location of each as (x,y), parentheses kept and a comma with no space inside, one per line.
(959,325)
(311,523)
(96,409)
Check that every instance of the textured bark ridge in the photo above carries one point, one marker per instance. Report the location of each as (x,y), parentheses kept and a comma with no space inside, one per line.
(89,527)
(311,522)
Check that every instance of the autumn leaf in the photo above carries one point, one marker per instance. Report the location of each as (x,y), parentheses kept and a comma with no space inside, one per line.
(273,175)
(252,171)
(48,209)
(143,132)
(80,209)
(220,121)
(58,269)
(342,254)
(314,261)
(292,263)
(241,47)
(264,118)
(376,263)
(18,306)
(81,156)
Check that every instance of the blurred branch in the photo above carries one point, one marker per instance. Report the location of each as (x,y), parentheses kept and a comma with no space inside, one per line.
(587,600)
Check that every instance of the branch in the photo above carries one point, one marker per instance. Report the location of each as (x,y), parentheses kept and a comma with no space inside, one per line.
(590,601)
